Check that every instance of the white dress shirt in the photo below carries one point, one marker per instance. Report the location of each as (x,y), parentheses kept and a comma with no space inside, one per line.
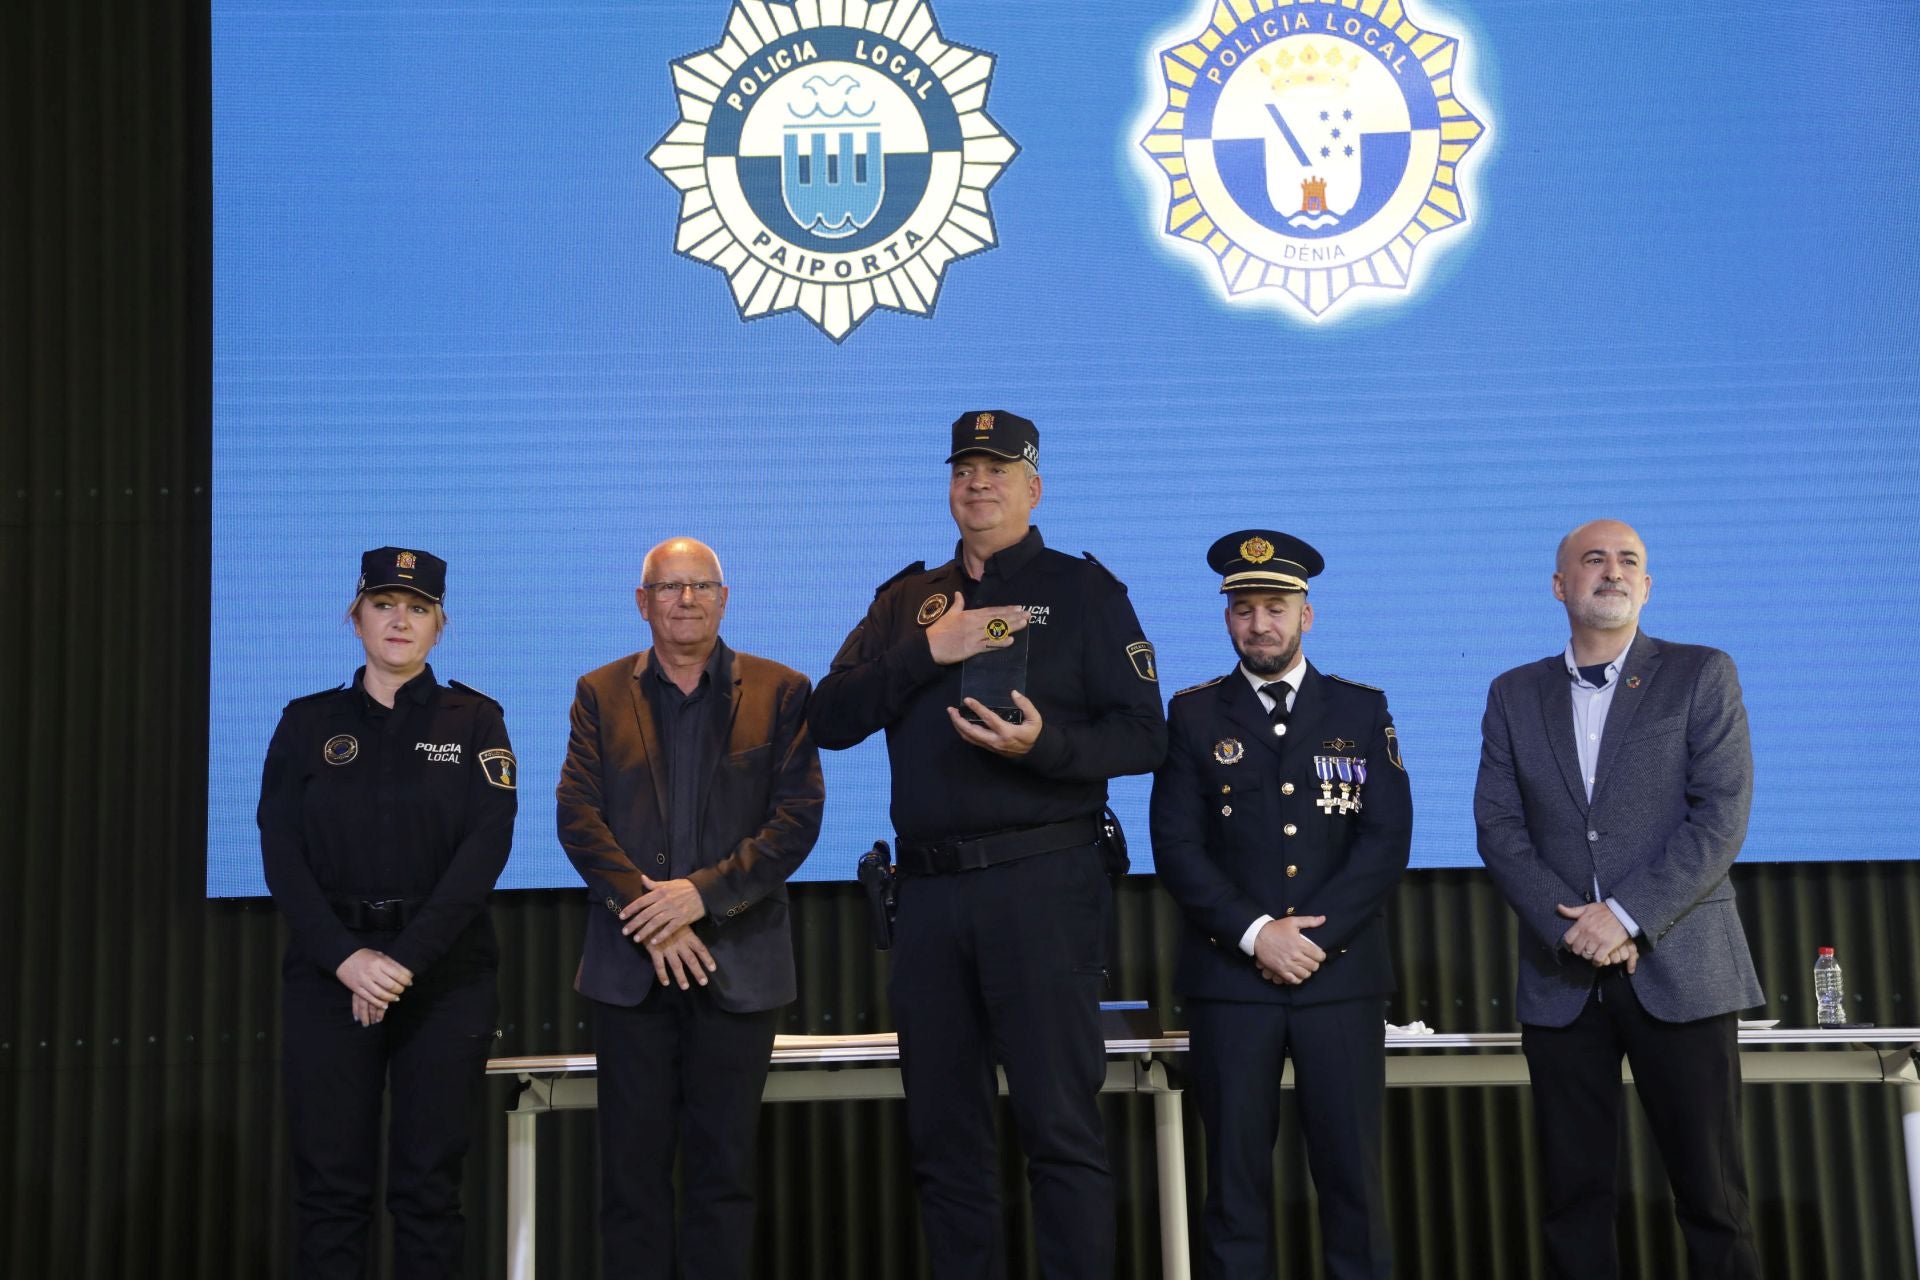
(1291,678)
(1591,703)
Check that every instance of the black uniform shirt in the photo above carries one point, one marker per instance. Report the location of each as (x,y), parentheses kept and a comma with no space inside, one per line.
(416,801)
(1090,673)
(686,734)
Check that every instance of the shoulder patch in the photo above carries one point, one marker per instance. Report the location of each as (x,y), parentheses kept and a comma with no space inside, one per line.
(309,697)
(467,688)
(918,566)
(1355,683)
(1195,688)
(500,768)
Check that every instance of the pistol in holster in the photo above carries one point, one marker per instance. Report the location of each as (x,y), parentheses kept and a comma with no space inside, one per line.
(877,879)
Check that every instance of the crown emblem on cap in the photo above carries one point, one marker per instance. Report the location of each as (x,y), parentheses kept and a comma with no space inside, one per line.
(405,560)
(1256,551)
(983,423)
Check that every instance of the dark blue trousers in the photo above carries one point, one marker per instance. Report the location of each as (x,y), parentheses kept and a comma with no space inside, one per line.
(430,1055)
(1007,964)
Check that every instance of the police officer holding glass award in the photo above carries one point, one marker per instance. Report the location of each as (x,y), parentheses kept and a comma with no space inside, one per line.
(1011,683)
(1281,823)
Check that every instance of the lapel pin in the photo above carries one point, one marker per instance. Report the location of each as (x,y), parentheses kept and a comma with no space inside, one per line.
(1633,682)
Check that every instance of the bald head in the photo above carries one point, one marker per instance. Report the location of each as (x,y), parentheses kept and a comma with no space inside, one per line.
(1598,533)
(1600,575)
(679,550)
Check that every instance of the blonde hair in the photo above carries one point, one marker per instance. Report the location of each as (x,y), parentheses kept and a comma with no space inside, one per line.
(439,611)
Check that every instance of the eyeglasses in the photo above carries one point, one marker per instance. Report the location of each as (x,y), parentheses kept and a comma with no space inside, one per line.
(672,590)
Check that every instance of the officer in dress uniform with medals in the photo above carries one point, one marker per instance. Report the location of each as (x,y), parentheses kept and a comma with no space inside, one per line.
(1004,902)
(386,813)
(1281,822)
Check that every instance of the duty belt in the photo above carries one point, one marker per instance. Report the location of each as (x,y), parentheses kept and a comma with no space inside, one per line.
(388,915)
(945,857)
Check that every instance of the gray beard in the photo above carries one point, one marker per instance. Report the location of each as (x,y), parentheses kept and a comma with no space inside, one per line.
(1268,666)
(1603,613)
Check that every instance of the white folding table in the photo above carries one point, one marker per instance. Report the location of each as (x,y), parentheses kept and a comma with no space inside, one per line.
(850,1067)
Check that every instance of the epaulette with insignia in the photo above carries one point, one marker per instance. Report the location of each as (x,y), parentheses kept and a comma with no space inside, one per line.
(1205,684)
(918,566)
(467,688)
(1088,557)
(1355,683)
(324,693)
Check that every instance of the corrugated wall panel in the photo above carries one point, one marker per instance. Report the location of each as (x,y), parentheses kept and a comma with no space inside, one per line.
(138,1023)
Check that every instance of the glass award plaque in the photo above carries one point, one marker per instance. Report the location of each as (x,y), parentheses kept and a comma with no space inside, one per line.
(992,676)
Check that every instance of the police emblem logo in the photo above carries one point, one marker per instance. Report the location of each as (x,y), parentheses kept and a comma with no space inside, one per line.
(1256,551)
(405,560)
(1311,147)
(997,629)
(1228,751)
(341,748)
(983,423)
(833,158)
(1140,654)
(930,610)
(498,764)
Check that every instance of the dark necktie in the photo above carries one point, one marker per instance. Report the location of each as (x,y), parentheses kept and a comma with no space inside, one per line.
(1278,692)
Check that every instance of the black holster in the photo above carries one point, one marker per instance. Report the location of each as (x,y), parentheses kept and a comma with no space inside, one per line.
(876,879)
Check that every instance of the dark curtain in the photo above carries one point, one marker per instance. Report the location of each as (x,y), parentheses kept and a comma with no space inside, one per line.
(138,1022)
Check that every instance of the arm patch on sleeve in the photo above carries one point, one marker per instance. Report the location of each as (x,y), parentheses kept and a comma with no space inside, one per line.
(501,769)
(1393,749)
(1140,654)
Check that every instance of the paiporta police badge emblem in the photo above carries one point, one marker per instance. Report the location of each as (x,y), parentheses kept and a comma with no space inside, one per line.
(341,748)
(1228,751)
(833,158)
(1310,147)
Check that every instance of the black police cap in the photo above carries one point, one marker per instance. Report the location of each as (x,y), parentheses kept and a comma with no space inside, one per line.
(995,431)
(399,569)
(1263,560)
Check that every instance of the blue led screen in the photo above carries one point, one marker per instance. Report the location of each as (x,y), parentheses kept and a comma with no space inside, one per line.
(536,285)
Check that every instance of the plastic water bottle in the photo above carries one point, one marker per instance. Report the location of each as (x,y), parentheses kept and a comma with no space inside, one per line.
(1828,994)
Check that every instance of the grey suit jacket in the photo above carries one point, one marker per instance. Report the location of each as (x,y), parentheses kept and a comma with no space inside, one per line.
(763,799)
(1669,811)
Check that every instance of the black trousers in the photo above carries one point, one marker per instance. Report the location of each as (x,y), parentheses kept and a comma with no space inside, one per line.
(1688,1077)
(1238,1051)
(1007,964)
(678,1071)
(431,1053)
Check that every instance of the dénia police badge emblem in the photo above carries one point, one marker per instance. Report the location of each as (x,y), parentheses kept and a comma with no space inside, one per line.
(833,157)
(1311,145)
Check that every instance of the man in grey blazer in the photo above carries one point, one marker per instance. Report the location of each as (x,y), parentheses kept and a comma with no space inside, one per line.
(1615,780)
(691,791)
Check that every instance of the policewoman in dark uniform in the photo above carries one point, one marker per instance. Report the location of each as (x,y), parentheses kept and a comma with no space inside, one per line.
(1281,823)
(386,814)
(1004,901)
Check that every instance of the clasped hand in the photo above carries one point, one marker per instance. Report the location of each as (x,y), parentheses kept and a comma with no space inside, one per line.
(1598,937)
(1284,955)
(376,980)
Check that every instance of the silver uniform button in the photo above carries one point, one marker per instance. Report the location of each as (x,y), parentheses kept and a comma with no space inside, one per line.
(1592,836)
(1279,731)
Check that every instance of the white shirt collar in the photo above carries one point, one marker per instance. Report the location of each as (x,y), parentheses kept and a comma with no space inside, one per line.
(1292,676)
(1613,668)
